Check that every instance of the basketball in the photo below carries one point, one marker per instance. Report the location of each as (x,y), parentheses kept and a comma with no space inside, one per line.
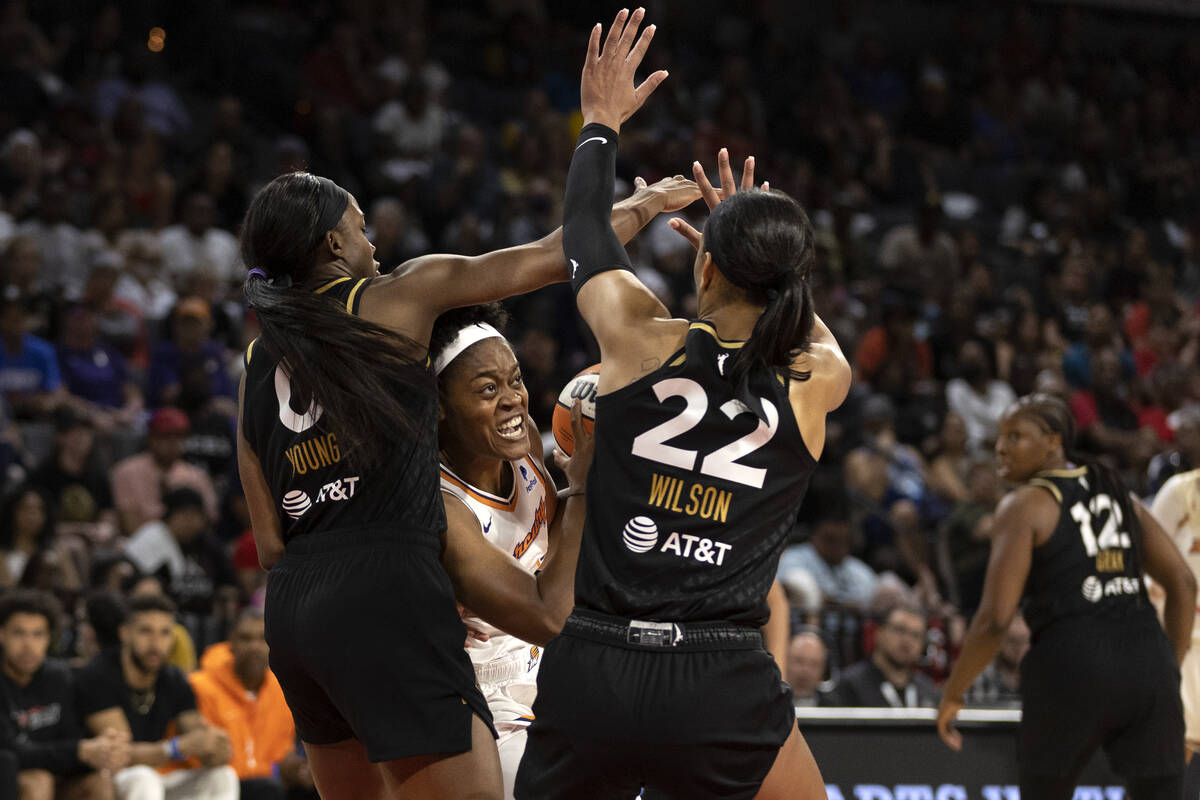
(582,387)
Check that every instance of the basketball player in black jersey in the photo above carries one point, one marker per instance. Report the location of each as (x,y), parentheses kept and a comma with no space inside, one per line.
(1073,543)
(706,434)
(337,453)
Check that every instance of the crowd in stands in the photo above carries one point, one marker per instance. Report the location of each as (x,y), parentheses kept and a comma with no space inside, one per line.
(1005,200)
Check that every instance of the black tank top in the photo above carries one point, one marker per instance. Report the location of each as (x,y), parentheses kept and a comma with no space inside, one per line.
(1089,567)
(316,489)
(691,496)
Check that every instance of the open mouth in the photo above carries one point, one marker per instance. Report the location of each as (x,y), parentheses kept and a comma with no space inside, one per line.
(512,430)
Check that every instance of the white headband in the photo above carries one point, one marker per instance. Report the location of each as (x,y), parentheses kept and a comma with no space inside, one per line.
(466,337)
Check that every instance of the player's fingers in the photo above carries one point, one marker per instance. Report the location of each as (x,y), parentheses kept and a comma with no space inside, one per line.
(686,231)
(625,43)
(711,198)
(649,85)
(639,49)
(614,32)
(766,187)
(593,48)
(725,173)
(748,173)
(639,182)
(561,459)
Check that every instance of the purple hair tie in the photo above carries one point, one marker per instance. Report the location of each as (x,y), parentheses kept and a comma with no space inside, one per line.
(260,273)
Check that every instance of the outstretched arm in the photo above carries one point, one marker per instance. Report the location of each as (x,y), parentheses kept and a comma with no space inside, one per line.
(441,282)
(615,304)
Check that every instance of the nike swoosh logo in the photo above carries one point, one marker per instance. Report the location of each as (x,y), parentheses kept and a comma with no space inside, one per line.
(599,139)
(487,527)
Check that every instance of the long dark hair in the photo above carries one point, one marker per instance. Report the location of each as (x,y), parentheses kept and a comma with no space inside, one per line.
(363,371)
(8,516)
(762,242)
(1052,415)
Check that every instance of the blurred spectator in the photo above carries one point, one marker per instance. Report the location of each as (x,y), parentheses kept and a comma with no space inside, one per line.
(843,579)
(134,691)
(977,396)
(807,661)
(194,243)
(948,471)
(79,492)
(189,346)
(28,542)
(395,233)
(37,697)
(1183,457)
(1105,419)
(64,249)
(886,480)
(120,324)
(29,374)
(920,257)
(890,356)
(236,692)
(96,375)
(140,481)
(143,283)
(181,552)
(22,276)
(889,678)
(999,685)
(965,537)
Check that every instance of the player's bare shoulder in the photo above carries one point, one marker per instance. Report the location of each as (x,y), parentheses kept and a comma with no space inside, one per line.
(657,341)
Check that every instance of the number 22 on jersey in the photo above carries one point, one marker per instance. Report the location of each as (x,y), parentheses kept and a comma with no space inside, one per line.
(720,463)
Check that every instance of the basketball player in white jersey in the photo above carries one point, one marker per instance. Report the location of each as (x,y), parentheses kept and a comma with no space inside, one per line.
(1177,509)
(499,497)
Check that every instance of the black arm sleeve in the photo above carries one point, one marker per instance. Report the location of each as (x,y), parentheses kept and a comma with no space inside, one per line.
(589,242)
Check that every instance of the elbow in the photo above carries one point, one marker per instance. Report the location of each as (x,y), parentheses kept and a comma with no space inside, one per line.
(1185,585)
(269,557)
(549,625)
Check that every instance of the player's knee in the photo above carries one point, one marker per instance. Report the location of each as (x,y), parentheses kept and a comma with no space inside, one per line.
(35,784)
(93,786)
(139,783)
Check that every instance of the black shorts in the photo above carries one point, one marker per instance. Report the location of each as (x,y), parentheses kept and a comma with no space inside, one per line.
(703,718)
(1089,683)
(367,643)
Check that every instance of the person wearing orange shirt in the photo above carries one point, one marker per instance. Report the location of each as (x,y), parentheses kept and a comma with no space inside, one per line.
(237,692)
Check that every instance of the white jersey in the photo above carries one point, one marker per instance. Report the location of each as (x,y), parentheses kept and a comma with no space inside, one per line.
(505,666)
(1177,509)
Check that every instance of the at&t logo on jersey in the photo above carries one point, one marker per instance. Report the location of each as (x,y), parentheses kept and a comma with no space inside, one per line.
(1094,590)
(641,536)
(296,503)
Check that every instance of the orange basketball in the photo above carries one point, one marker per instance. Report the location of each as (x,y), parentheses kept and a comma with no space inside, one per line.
(582,387)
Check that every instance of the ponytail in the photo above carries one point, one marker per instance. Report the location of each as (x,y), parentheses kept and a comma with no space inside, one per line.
(762,242)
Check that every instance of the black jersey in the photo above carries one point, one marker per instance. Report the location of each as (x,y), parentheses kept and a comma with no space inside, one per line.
(1089,566)
(315,486)
(691,495)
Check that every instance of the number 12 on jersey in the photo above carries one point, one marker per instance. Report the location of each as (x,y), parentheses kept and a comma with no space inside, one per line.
(721,463)
(1110,538)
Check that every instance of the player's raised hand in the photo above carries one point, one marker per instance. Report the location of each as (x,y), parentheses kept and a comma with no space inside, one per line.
(677,191)
(713,195)
(607,92)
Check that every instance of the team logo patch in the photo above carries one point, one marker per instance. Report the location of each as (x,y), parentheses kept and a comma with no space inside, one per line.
(641,534)
(1092,589)
(296,503)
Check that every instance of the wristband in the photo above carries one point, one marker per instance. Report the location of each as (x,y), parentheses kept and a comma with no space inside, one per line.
(275,773)
(174,752)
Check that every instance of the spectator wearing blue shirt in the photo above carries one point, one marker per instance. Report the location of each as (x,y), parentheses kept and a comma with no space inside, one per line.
(29,375)
(189,347)
(842,578)
(95,374)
